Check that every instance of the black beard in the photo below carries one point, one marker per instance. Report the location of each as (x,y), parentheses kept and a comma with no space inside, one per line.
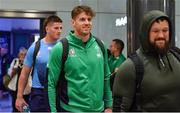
(158,50)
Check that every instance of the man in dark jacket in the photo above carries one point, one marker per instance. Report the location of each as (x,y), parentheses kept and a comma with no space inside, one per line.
(160,86)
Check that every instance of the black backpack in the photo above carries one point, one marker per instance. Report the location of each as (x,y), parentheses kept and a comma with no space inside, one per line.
(36,50)
(139,67)
(60,90)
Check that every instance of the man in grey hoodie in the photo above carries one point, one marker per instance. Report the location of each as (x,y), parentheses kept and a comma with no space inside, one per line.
(160,86)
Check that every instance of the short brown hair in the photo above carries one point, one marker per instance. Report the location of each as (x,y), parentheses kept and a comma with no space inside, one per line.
(82,8)
(51,19)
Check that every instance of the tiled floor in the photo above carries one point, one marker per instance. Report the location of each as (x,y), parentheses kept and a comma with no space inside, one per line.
(5,103)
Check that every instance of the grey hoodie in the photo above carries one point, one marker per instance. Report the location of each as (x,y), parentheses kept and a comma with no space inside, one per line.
(160,87)
(148,19)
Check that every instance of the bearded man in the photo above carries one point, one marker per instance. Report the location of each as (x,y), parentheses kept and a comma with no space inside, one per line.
(160,86)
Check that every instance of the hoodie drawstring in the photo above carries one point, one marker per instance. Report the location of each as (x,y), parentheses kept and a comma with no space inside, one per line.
(169,63)
(158,65)
(161,60)
(163,63)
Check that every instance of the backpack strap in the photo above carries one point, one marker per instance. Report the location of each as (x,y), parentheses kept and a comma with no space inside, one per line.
(36,50)
(65,51)
(139,67)
(15,61)
(18,75)
(101,45)
(176,52)
(61,88)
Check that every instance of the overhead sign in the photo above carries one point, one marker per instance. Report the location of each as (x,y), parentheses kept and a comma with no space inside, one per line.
(121,21)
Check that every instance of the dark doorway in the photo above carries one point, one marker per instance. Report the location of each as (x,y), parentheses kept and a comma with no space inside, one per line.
(19,29)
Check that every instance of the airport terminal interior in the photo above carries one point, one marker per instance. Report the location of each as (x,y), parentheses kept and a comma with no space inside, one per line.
(21,22)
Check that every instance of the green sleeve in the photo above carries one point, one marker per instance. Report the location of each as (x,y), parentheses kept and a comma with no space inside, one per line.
(54,69)
(107,90)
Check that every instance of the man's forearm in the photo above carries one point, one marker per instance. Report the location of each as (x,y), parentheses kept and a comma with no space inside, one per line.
(21,85)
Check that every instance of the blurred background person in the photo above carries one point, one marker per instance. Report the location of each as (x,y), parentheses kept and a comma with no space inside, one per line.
(116,57)
(5,61)
(14,72)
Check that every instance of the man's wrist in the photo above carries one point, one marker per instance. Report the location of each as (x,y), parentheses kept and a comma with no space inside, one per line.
(19,96)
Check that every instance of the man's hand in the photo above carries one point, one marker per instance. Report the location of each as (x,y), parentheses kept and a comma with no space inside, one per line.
(108,110)
(20,102)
